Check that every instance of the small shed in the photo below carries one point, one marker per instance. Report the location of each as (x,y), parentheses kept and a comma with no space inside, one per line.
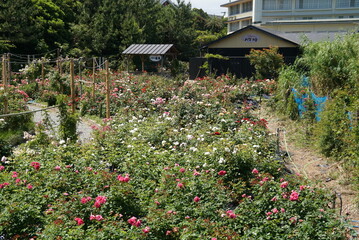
(156,52)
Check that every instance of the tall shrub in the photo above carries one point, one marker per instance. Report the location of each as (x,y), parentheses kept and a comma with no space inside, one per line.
(267,62)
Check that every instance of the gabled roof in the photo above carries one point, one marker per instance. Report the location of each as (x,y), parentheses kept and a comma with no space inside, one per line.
(150,49)
(266,31)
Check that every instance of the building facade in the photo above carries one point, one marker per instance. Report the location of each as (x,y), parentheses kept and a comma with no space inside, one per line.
(294,16)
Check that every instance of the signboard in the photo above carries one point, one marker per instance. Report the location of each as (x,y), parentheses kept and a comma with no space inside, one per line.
(251,38)
(155,58)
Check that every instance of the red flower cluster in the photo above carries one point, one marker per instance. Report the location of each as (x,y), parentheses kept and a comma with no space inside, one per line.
(35,165)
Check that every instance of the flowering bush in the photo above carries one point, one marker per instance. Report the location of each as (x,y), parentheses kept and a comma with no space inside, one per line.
(185,163)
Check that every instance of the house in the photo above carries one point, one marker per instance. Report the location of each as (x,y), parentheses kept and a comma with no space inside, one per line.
(236,45)
(294,16)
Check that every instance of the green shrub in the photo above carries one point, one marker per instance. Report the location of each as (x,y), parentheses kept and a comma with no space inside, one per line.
(267,62)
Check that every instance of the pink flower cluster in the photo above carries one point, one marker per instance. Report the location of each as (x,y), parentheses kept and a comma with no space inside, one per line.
(79,221)
(231,214)
(35,165)
(96,217)
(85,200)
(125,178)
(294,196)
(135,222)
(4,184)
(99,201)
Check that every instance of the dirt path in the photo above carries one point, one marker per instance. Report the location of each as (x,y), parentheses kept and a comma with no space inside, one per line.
(314,166)
(84,129)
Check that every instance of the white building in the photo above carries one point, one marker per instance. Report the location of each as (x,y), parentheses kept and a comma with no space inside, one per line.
(294,16)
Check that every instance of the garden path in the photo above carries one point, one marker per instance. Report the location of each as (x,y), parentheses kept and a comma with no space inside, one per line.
(84,129)
(313,165)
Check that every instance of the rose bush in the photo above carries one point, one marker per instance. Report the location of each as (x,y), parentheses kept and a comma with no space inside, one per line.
(175,162)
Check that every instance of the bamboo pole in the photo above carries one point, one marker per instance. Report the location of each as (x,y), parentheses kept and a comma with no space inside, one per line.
(107,90)
(93,77)
(72,85)
(4,66)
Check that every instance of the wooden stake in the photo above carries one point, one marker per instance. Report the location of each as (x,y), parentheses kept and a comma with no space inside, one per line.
(72,85)
(4,66)
(8,72)
(93,77)
(43,72)
(107,90)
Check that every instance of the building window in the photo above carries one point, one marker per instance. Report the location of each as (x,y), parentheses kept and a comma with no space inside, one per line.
(247,7)
(234,9)
(233,26)
(347,3)
(277,4)
(245,23)
(313,4)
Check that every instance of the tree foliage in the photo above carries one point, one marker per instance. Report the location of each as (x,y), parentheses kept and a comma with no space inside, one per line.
(103,28)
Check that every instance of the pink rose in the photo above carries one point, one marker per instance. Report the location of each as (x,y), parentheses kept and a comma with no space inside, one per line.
(294,196)
(180,185)
(146,230)
(2,168)
(284,184)
(79,221)
(29,186)
(275,210)
(196,199)
(282,210)
(85,199)
(126,178)
(35,165)
(255,171)
(222,173)
(182,170)
(57,168)
(132,220)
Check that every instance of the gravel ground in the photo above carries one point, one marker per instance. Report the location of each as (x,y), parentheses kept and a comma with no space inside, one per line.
(84,129)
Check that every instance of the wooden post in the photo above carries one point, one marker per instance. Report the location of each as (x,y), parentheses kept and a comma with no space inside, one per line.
(72,85)
(80,76)
(143,63)
(4,66)
(8,72)
(43,72)
(107,90)
(93,77)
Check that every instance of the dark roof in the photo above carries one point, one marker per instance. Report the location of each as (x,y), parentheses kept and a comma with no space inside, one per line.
(270,32)
(149,49)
